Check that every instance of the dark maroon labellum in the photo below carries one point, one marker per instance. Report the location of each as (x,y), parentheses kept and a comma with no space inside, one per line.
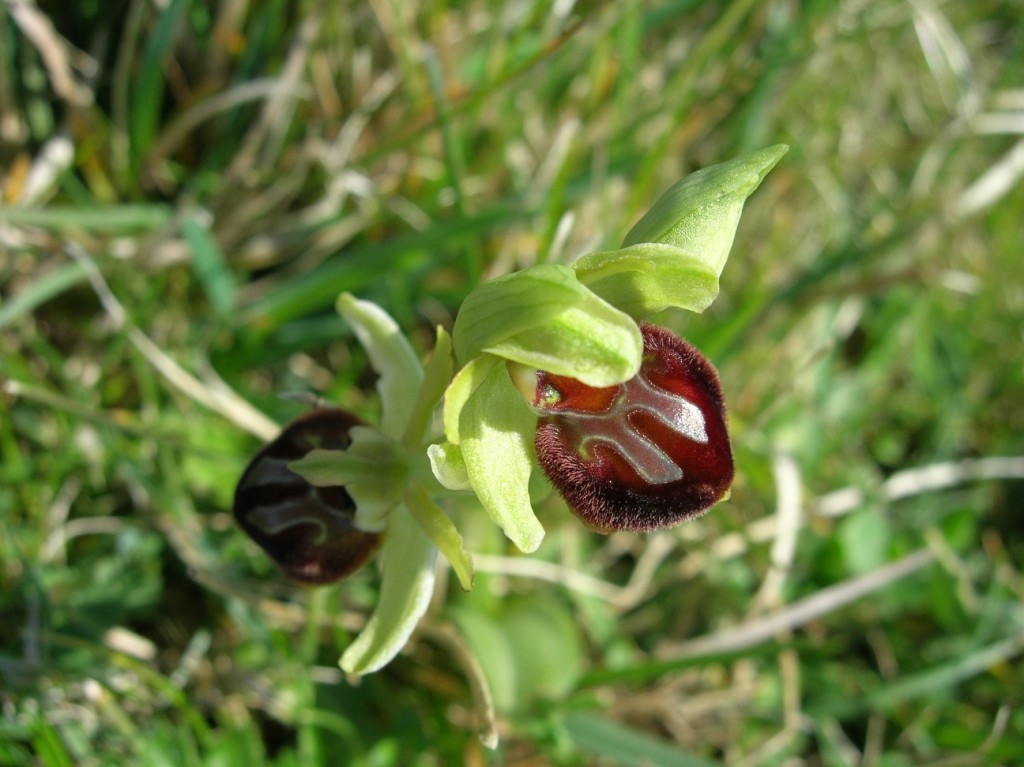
(308,531)
(642,455)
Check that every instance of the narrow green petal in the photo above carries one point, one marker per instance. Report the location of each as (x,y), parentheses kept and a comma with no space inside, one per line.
(391,356)
(407,584)
(448,466)
(436,377)
(441,531)
(496,429)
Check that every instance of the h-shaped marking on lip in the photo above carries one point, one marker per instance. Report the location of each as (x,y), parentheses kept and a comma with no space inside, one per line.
(276,517)
(612,427)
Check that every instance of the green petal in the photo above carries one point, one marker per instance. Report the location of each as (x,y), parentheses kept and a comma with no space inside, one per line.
(436,378)
(391,356)
(699,215)
(496,429)
(545,318)
(407,584)
(448,466)
(644,279)
(441,531)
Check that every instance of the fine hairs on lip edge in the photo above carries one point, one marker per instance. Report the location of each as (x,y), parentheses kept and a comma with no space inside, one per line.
(604,479)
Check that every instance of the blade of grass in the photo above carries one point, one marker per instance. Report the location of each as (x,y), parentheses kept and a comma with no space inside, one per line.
(40,291)
(603,737)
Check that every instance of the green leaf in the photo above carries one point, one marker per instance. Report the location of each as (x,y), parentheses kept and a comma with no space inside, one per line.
(407,584)
(548,668)
(441,531)
(209,265)
(545,318)
(699,215)
(644,279)
(372,469)
(864,537)
(624,745)
(496,430)
(391,356)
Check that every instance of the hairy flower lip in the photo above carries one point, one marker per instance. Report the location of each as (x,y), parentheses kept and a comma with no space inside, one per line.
(643,455)
(309,532)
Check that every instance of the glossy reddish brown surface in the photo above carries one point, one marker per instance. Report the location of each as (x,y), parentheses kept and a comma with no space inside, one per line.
(642,455)
(308,531)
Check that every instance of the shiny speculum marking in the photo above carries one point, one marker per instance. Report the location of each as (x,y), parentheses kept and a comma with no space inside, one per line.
(615,427)
(308,531)
(641,455)
(289,501)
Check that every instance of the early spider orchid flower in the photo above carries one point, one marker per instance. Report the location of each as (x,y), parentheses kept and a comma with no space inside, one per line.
(558,367)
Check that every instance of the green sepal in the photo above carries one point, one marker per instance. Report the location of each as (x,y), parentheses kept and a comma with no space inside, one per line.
(699,214)
(397,366)
(496,440)
(644,279)
(407,583)
(371,469)
(545,318)
(459,391)
(442,533)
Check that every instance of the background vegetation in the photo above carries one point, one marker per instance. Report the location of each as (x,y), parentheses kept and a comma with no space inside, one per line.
(186,188)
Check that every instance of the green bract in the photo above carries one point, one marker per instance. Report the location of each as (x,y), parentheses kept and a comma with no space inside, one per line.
(646,278)
(699,215)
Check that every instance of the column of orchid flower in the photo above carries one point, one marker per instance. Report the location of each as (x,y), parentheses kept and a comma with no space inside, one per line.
(556,366)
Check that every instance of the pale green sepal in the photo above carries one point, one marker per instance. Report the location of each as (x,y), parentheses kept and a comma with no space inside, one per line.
(371,469)
(545,318)
(441,531)
(391,356)
(699,215)
(513,304)
(448,466)
(459,390)
(496,429)
(592,342)
(436,377)
(407,583)
(644,279)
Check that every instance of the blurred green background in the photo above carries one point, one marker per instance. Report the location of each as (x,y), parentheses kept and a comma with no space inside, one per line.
(188,185)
